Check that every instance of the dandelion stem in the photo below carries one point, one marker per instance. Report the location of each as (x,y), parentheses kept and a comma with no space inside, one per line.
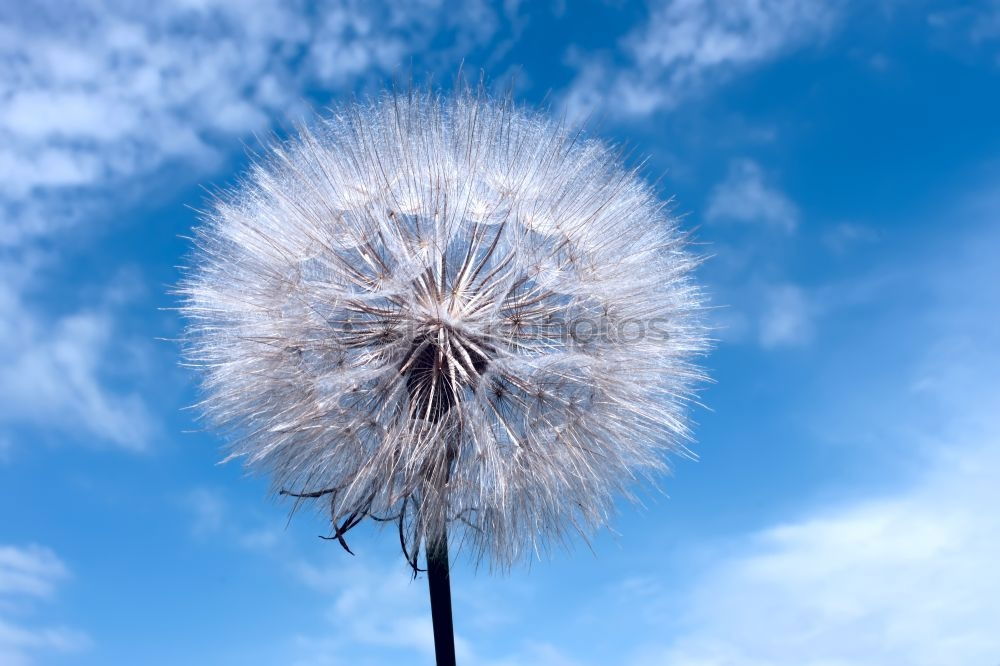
(439,583)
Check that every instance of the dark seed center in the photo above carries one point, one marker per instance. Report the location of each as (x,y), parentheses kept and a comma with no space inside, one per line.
(430,379)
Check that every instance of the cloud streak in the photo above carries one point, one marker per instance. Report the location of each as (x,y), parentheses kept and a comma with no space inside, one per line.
(907,578)
(689,46)
(379,616)
(27,574)
(97,94)
(746,195)
(64,372)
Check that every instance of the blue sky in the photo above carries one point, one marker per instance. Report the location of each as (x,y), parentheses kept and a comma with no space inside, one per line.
(840,165)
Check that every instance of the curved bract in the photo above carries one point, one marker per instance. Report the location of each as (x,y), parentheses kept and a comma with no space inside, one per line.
(446,310)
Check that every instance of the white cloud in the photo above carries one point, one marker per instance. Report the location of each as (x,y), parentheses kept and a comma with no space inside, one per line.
(208,510)
(60,372)
(787,316)
(770,313)
(746,196)
(688,46)
(375,606)
(212,516)
(771,310)
(381,615)
(845,236)
(30,573)
(96,94)
(903,579)
(537,654)
(975,25)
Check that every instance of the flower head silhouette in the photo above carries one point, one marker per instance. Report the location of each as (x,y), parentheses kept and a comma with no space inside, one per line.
(450,312)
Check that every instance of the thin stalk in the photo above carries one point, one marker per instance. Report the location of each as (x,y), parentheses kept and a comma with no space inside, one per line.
(439,584)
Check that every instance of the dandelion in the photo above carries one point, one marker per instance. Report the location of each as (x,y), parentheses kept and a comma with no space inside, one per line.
(450,313)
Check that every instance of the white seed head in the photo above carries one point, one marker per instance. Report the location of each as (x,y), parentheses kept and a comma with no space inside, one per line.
(446,311)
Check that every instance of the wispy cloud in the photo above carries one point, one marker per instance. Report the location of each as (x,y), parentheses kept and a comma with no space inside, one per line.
(212,516)
(96,94)
(31,571)
(974,25)
(28,574)
(689,46)
(63,372)
(846,236)
(908,578)
(380,615)
(208,510)
(787,316)
(766,307)
(746,195)
(375,606)
(773,313)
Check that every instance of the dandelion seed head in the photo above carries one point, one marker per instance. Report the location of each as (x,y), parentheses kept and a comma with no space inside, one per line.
(446,311)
